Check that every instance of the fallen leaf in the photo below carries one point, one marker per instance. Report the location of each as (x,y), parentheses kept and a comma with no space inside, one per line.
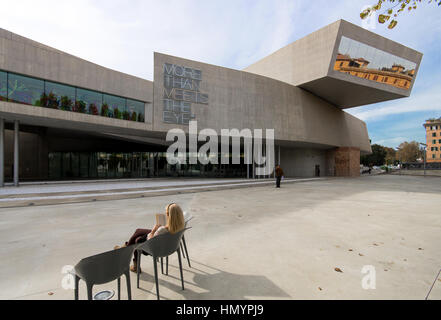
(375,244)
(320,288)
(50,293)
(420,249)
(361,255)
(338,270)
(350,250)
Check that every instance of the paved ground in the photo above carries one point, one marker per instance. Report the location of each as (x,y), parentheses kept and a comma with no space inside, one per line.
(32,194)
(86,186)
(246,243)
(436,173)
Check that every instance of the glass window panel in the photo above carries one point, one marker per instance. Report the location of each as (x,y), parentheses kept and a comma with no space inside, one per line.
(136,110)
(368,55)
(362,51)
(377,65)
(113,106)
(88,101)
(59,96)
(3,86)
(54,165)
(25,90)
(344,45)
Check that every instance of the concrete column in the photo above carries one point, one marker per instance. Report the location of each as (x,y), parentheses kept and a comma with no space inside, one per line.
(252,159)
(279,157)
(246,158)
(2,153)
(16,152)
(140,164)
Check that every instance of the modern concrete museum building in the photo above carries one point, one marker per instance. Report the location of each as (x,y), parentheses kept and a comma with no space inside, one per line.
(66,118)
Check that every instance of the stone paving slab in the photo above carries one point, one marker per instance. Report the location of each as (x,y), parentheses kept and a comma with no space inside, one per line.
(251,243)
(32,199)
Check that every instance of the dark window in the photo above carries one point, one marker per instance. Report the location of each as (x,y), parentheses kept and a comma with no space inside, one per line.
(59,96)
(136,110)
(3,86)
(25,90)
(113,106)
(341,64)
(433,141)
(88,101)
(434,134)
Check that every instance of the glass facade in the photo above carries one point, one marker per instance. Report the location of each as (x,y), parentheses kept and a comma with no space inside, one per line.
(88,101)
(25,90)
(37,92)
(113,106)
(104,165)
(136,110)
(363,61)
(3,86)
(59,96)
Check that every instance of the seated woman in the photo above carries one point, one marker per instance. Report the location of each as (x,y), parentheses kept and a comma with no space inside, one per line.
(175,223)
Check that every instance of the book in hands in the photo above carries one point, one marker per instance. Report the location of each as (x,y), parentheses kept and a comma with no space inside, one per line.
(161,219)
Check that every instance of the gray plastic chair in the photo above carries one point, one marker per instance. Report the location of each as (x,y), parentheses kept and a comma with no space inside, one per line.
(187,218)
(103,268)
(159,247)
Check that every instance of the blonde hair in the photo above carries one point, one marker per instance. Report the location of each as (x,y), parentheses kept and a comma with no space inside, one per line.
(175,218)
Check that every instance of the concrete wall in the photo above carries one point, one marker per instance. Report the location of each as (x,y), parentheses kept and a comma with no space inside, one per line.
(21,55)
(240,100)
(33,150)
(308,63)
(302,61)
(300,162)
(47,117)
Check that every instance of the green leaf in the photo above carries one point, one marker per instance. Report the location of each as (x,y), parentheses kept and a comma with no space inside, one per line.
(382,18)
(393,24)
(364,14)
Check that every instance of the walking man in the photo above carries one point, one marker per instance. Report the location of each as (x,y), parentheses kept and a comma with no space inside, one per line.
(279,175)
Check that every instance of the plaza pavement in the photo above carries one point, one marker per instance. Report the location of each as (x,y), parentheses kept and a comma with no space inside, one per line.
(249,243)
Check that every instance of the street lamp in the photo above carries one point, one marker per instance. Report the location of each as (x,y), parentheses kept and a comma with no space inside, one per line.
(425,148)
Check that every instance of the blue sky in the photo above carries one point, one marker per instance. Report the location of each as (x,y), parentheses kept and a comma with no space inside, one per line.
(123,35)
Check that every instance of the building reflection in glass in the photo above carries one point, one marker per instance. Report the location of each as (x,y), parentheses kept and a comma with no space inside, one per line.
(363,61)
(115,165)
